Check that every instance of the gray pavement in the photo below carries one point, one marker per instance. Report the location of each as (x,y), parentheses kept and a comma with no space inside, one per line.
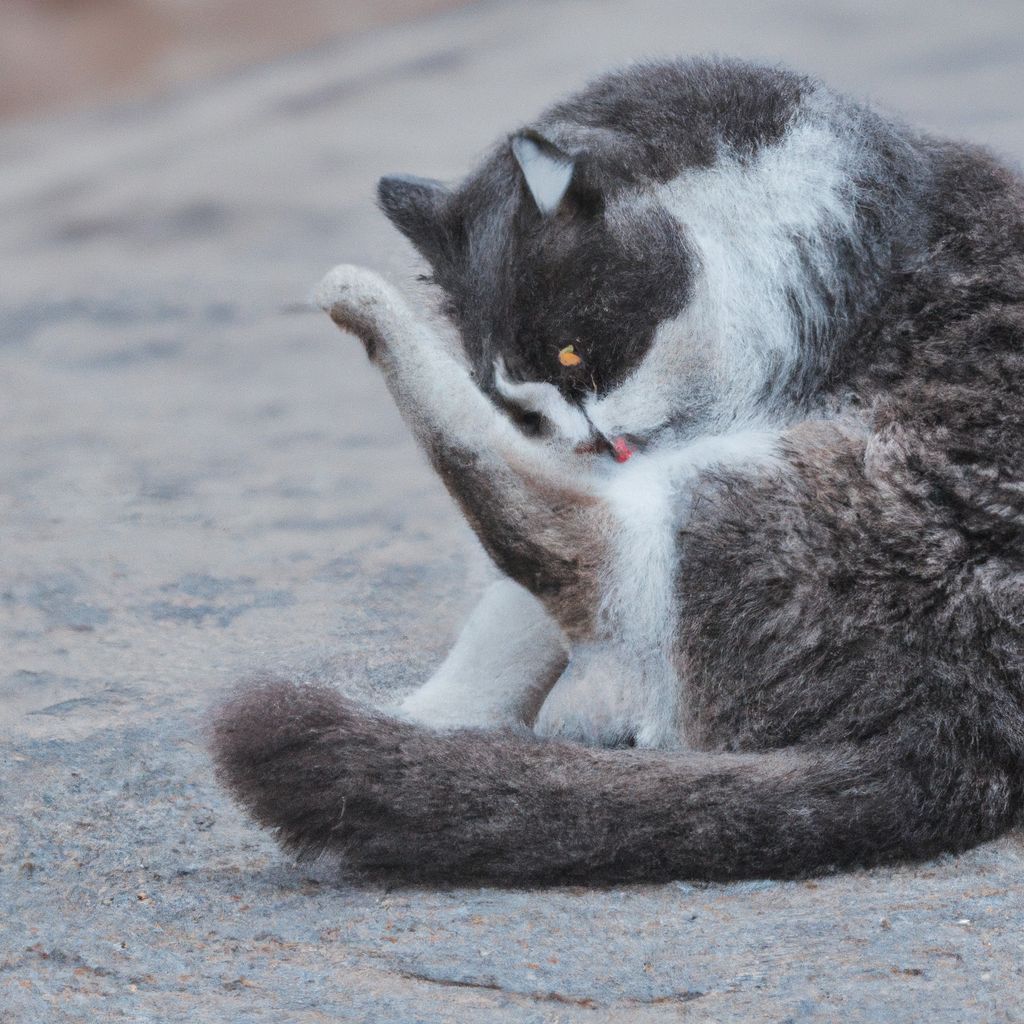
(199,480)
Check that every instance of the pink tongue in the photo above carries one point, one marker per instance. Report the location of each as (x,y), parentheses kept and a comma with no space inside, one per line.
(621,449)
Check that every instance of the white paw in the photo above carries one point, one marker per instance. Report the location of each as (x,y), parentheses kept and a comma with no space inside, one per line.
(437,712)
(595,726)
(360,301)
(605,700)
(347,286)
(607,726)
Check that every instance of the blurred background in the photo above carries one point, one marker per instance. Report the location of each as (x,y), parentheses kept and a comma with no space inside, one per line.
(61,54)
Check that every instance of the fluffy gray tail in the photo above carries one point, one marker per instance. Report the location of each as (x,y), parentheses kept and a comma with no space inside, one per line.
(404,801)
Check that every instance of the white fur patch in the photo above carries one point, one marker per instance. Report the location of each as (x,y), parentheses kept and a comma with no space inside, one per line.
(763,232)
(649,498)
(503,664)
(434,390)
(546,400)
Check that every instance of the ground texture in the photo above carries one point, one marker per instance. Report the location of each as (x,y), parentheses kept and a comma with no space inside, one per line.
(201,479)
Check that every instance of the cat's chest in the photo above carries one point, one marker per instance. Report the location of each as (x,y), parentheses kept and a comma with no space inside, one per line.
(648,501)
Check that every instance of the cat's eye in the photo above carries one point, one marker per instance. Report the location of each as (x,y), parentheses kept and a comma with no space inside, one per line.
(532,424)
(568,356)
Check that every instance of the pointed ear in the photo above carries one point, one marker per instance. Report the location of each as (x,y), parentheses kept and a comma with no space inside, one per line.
(547,170)
(417,207)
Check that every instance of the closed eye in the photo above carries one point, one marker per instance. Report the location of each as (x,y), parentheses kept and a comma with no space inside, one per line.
(530,423)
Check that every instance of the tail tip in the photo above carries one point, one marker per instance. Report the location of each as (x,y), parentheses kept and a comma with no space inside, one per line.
(261,720)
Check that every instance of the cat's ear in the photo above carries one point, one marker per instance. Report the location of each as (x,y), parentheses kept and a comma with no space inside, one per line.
(547,170)
(418,208)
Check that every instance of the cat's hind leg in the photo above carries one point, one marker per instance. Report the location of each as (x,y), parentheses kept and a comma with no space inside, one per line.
(531,504)
(506,659)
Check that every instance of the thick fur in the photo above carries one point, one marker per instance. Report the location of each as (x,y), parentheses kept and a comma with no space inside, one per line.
(398,799)
(805,592)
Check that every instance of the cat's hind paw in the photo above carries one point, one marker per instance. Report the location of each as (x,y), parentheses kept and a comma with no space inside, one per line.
(606,699)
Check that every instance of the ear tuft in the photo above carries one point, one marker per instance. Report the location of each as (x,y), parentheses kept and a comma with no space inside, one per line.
(416,206)
(547,170)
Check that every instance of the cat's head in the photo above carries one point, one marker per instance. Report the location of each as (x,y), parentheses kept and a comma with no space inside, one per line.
(696,232)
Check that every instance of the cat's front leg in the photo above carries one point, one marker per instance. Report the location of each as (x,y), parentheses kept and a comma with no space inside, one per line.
(505,661)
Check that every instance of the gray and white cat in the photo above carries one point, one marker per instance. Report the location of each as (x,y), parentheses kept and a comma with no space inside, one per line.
(762,526)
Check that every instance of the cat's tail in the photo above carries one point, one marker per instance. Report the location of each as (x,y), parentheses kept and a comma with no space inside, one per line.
(398,799)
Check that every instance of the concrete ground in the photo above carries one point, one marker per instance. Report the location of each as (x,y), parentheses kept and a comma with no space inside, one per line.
(201,479)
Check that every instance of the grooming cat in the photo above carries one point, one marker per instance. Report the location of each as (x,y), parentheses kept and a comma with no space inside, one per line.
(796,612)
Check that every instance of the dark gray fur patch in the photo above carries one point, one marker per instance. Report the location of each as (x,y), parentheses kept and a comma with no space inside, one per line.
(397,799)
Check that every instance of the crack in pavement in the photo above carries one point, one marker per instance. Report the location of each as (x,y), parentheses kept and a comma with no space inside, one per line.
(584,1002)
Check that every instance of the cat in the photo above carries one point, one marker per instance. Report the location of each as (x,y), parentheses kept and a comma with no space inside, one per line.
(737,413)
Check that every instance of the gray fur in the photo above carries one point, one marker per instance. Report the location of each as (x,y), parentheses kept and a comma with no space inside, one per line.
(804,590)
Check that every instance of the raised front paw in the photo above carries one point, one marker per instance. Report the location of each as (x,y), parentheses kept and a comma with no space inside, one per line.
(360,301)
